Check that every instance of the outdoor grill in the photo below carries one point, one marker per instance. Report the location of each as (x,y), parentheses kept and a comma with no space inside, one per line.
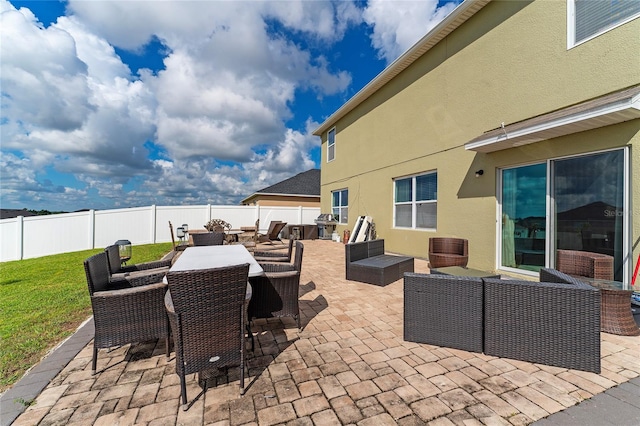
(326,226)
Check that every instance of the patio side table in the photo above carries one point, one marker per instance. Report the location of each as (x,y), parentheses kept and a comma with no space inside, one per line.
(615,307)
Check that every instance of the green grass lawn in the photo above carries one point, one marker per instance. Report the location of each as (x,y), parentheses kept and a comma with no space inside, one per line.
(43,301)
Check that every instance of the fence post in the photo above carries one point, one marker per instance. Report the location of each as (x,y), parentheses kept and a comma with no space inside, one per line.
(153,223)
(20,236)
(92,229)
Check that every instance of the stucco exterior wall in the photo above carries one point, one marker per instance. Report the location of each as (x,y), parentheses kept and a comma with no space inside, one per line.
(508,63)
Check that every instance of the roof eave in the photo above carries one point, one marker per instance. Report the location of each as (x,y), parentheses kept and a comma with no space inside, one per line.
(258,194)
(519,134)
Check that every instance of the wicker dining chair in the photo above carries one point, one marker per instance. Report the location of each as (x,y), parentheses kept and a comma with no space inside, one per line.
(208,238)
(276,293)
(278,255)
(207,313)
(116,268)
(124,310)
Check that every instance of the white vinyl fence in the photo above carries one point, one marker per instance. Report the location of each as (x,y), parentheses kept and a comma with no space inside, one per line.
(35,236)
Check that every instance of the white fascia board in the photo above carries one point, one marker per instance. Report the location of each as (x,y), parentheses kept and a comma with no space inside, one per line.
(617,112)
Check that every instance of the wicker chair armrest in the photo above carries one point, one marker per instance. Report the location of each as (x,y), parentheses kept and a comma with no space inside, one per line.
(147,265)
(267,259)
(268,267)
(279,252)
(280,275)
(144,280)
(128,292)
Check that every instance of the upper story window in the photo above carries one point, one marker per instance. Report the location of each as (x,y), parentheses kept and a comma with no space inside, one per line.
(340,205)
(416,201)
(331,144)
(587,19)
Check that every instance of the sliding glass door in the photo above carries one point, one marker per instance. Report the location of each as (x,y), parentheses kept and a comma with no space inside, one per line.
(585,210)
(588,194)
(524,213)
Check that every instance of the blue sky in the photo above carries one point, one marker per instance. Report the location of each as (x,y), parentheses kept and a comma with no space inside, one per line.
(111,104)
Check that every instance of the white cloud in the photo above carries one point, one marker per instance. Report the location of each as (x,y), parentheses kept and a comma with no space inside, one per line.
(398,25)
(43,81)
(217,112)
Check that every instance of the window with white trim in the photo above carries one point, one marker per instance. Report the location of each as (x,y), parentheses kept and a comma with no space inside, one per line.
(587,19)
(340,205)
(331,144)
(416,201)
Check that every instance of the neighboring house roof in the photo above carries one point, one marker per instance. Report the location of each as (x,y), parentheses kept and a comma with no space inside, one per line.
(306,184)
(457,17)
(11,213)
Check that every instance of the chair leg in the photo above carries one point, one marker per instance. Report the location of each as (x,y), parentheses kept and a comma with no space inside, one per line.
(183,391)
(250,334)
(94,362)
(242,352)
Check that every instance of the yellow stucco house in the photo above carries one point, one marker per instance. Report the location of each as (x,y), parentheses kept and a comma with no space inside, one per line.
(511,124)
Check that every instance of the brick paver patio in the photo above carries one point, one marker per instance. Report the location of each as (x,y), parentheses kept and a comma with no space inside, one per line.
(349,365)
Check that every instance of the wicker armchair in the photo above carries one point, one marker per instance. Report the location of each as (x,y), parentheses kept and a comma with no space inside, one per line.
(275,255)
(447,251)
(585,264)
(125,310)
(208,238)
(276,293)
(158,267)
(207,313)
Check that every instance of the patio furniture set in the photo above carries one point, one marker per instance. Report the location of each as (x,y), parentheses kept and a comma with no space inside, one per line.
(556,321)
(203,297)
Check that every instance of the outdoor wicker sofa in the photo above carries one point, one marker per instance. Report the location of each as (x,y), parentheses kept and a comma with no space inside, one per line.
(553,322)
(125,310)
(444,310)
(366,262)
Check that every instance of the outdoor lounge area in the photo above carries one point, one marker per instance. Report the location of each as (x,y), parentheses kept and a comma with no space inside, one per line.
(347,364)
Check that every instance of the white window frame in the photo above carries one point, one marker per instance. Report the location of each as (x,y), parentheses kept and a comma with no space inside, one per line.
(331,145)
(571,26)
(342,206)
(414,202)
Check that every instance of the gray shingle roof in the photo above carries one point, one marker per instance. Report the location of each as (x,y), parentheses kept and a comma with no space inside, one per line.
(305,183)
